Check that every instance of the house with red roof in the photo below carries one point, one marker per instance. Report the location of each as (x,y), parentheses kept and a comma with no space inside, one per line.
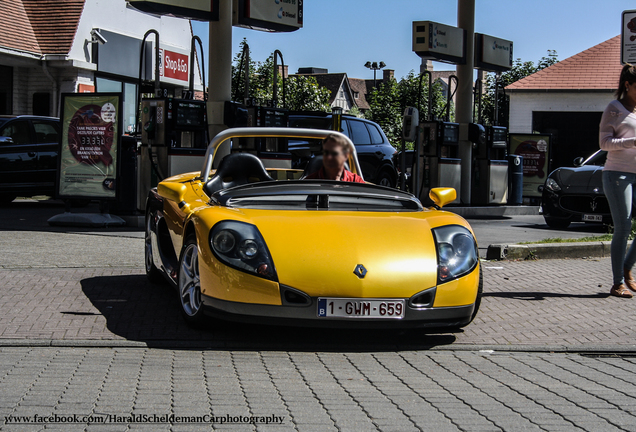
(50,47)
(567,100)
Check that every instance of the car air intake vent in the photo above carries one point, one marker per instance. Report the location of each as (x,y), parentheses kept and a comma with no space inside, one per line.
(293,297)
(423,299)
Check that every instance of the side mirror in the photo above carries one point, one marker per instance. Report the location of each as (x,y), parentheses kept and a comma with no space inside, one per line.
(173,192)
(442,196)
(578,161)
(6,140)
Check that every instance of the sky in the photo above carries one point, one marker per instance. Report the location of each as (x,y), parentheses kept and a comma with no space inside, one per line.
(342,35)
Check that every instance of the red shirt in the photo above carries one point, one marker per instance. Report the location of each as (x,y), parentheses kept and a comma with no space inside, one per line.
(347,176)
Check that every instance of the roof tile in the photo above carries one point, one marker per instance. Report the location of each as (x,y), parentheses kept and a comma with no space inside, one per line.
(596,68)
(39,26)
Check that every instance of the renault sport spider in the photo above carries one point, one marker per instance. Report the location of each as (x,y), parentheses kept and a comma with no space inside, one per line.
(245,243)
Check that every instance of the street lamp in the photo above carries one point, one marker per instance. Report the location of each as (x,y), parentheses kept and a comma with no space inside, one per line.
(375,67)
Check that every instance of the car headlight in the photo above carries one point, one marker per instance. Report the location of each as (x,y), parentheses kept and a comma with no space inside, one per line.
(457,253)
(552,185)
(241,245)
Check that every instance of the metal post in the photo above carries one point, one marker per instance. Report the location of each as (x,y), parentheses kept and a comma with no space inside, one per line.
(220,67)
(464,107)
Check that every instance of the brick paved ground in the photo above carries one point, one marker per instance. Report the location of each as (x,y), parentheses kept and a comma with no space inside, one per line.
(322,391)
(550,302)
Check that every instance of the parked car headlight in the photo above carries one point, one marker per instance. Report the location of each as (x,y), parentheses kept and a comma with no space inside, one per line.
(551,184)
(241,245)
(457,253)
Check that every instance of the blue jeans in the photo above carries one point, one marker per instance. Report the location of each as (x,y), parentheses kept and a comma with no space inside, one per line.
(619,190)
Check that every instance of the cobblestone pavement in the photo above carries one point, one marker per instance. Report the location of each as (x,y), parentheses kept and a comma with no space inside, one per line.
(528,303)
(320,391)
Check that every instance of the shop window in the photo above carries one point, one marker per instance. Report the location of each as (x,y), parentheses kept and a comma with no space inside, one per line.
(6,90)
(42,104)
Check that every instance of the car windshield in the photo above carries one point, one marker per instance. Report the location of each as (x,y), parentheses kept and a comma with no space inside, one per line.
(597,158)
(316,195)
(3,121)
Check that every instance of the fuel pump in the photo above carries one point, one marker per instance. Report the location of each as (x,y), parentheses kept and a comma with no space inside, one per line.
(174,131)
(436,161)
(273,152)
(490,175)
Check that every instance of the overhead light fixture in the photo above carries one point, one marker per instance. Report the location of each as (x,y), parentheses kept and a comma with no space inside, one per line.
(96,37)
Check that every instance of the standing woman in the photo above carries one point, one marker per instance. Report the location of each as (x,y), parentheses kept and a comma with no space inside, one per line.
(618,137)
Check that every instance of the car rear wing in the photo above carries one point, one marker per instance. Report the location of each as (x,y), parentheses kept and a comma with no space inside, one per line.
(267,132)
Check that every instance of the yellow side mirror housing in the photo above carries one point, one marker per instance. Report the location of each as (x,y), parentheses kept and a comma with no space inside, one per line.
(172,191)
(442,196)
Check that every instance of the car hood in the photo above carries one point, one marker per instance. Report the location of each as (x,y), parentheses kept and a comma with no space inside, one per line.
(587,179)
(317,251)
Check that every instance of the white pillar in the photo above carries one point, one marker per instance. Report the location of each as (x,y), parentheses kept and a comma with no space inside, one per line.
(220,67)
(464,100)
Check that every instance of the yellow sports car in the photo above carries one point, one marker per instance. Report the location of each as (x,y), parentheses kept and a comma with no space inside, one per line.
(242,242)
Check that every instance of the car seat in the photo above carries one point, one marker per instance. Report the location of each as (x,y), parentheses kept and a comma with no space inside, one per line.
(237,169)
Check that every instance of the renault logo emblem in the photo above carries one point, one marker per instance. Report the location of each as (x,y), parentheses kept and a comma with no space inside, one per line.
(360,271)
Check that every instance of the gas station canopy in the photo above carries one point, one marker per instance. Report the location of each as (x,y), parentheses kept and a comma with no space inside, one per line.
(266,15)
(201,10)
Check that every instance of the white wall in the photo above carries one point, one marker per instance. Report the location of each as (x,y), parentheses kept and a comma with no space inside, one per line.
(522,105)
(115,16)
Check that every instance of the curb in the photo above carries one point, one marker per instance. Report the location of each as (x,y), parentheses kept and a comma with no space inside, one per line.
(211,345)
(550,250)
(493,211)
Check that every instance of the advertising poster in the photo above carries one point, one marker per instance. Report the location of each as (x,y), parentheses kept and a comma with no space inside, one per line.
(628,37)
(88,152)
(535,150)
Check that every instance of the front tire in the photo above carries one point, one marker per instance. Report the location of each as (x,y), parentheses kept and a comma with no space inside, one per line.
(557,223)
(189,283)
(385,179)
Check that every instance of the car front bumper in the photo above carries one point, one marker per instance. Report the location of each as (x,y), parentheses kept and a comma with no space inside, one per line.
(574,207)
(307,315)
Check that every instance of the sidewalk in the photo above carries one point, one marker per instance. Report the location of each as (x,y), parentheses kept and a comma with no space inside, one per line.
(88,288)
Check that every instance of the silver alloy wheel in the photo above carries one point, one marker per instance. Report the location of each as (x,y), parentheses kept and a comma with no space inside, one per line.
(189,283)
(148,250)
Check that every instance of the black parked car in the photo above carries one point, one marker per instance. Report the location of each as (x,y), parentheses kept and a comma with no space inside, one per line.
(375,153)
(576,194)
(28,156)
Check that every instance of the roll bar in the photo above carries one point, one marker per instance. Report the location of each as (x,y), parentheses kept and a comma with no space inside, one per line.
(273,132)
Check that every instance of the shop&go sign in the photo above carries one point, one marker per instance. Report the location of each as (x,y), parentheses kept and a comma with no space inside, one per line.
(174,68)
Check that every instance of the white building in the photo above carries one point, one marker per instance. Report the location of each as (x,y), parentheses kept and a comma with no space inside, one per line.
(567,100)
(49,48)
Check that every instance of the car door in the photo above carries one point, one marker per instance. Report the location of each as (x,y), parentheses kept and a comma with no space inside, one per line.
(18,158)
(369,162)
(47,140)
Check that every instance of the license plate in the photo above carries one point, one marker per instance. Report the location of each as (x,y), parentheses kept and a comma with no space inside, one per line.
(361,308)
(592,218)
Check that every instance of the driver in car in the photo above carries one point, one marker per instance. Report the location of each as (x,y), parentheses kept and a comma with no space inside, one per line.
(335,152)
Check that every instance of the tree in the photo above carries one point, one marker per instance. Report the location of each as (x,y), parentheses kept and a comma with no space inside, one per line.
(388,101)
(302,93)
(519,70)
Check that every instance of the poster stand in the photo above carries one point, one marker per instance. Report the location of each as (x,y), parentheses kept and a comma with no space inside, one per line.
(88,157)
